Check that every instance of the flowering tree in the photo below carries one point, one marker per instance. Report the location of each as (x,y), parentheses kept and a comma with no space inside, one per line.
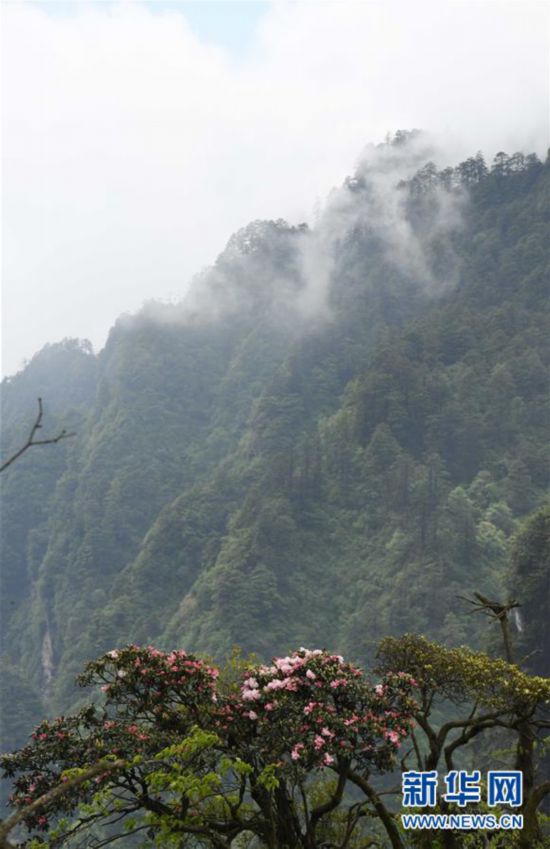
(311,711)
(180,760)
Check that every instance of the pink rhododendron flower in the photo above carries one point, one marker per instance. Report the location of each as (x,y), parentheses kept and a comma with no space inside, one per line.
(251,695)
(276,684)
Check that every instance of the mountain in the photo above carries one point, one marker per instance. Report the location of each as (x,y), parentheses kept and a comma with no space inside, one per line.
(337,432)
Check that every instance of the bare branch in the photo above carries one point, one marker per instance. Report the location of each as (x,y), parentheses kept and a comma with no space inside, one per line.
(32,441)
(497,611)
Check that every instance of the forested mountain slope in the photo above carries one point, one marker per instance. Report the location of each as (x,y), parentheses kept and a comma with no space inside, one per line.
(331,437)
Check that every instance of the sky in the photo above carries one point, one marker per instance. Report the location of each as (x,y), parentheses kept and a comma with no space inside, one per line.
(138,136)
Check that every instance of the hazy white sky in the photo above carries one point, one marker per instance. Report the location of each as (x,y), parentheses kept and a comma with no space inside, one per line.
(137,136)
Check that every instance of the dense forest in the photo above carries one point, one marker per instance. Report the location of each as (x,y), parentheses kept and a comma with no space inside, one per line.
(338,432)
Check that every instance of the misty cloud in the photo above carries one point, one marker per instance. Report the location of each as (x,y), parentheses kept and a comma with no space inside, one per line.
(132,149)
(279,273)
(373,208)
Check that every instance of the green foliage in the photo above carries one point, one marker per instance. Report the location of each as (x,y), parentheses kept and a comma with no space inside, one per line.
(460,674)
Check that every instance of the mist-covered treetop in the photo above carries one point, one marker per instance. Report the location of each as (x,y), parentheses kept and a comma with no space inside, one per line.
(256,235)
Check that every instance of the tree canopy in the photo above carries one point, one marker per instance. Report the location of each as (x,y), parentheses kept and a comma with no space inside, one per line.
(288,754)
